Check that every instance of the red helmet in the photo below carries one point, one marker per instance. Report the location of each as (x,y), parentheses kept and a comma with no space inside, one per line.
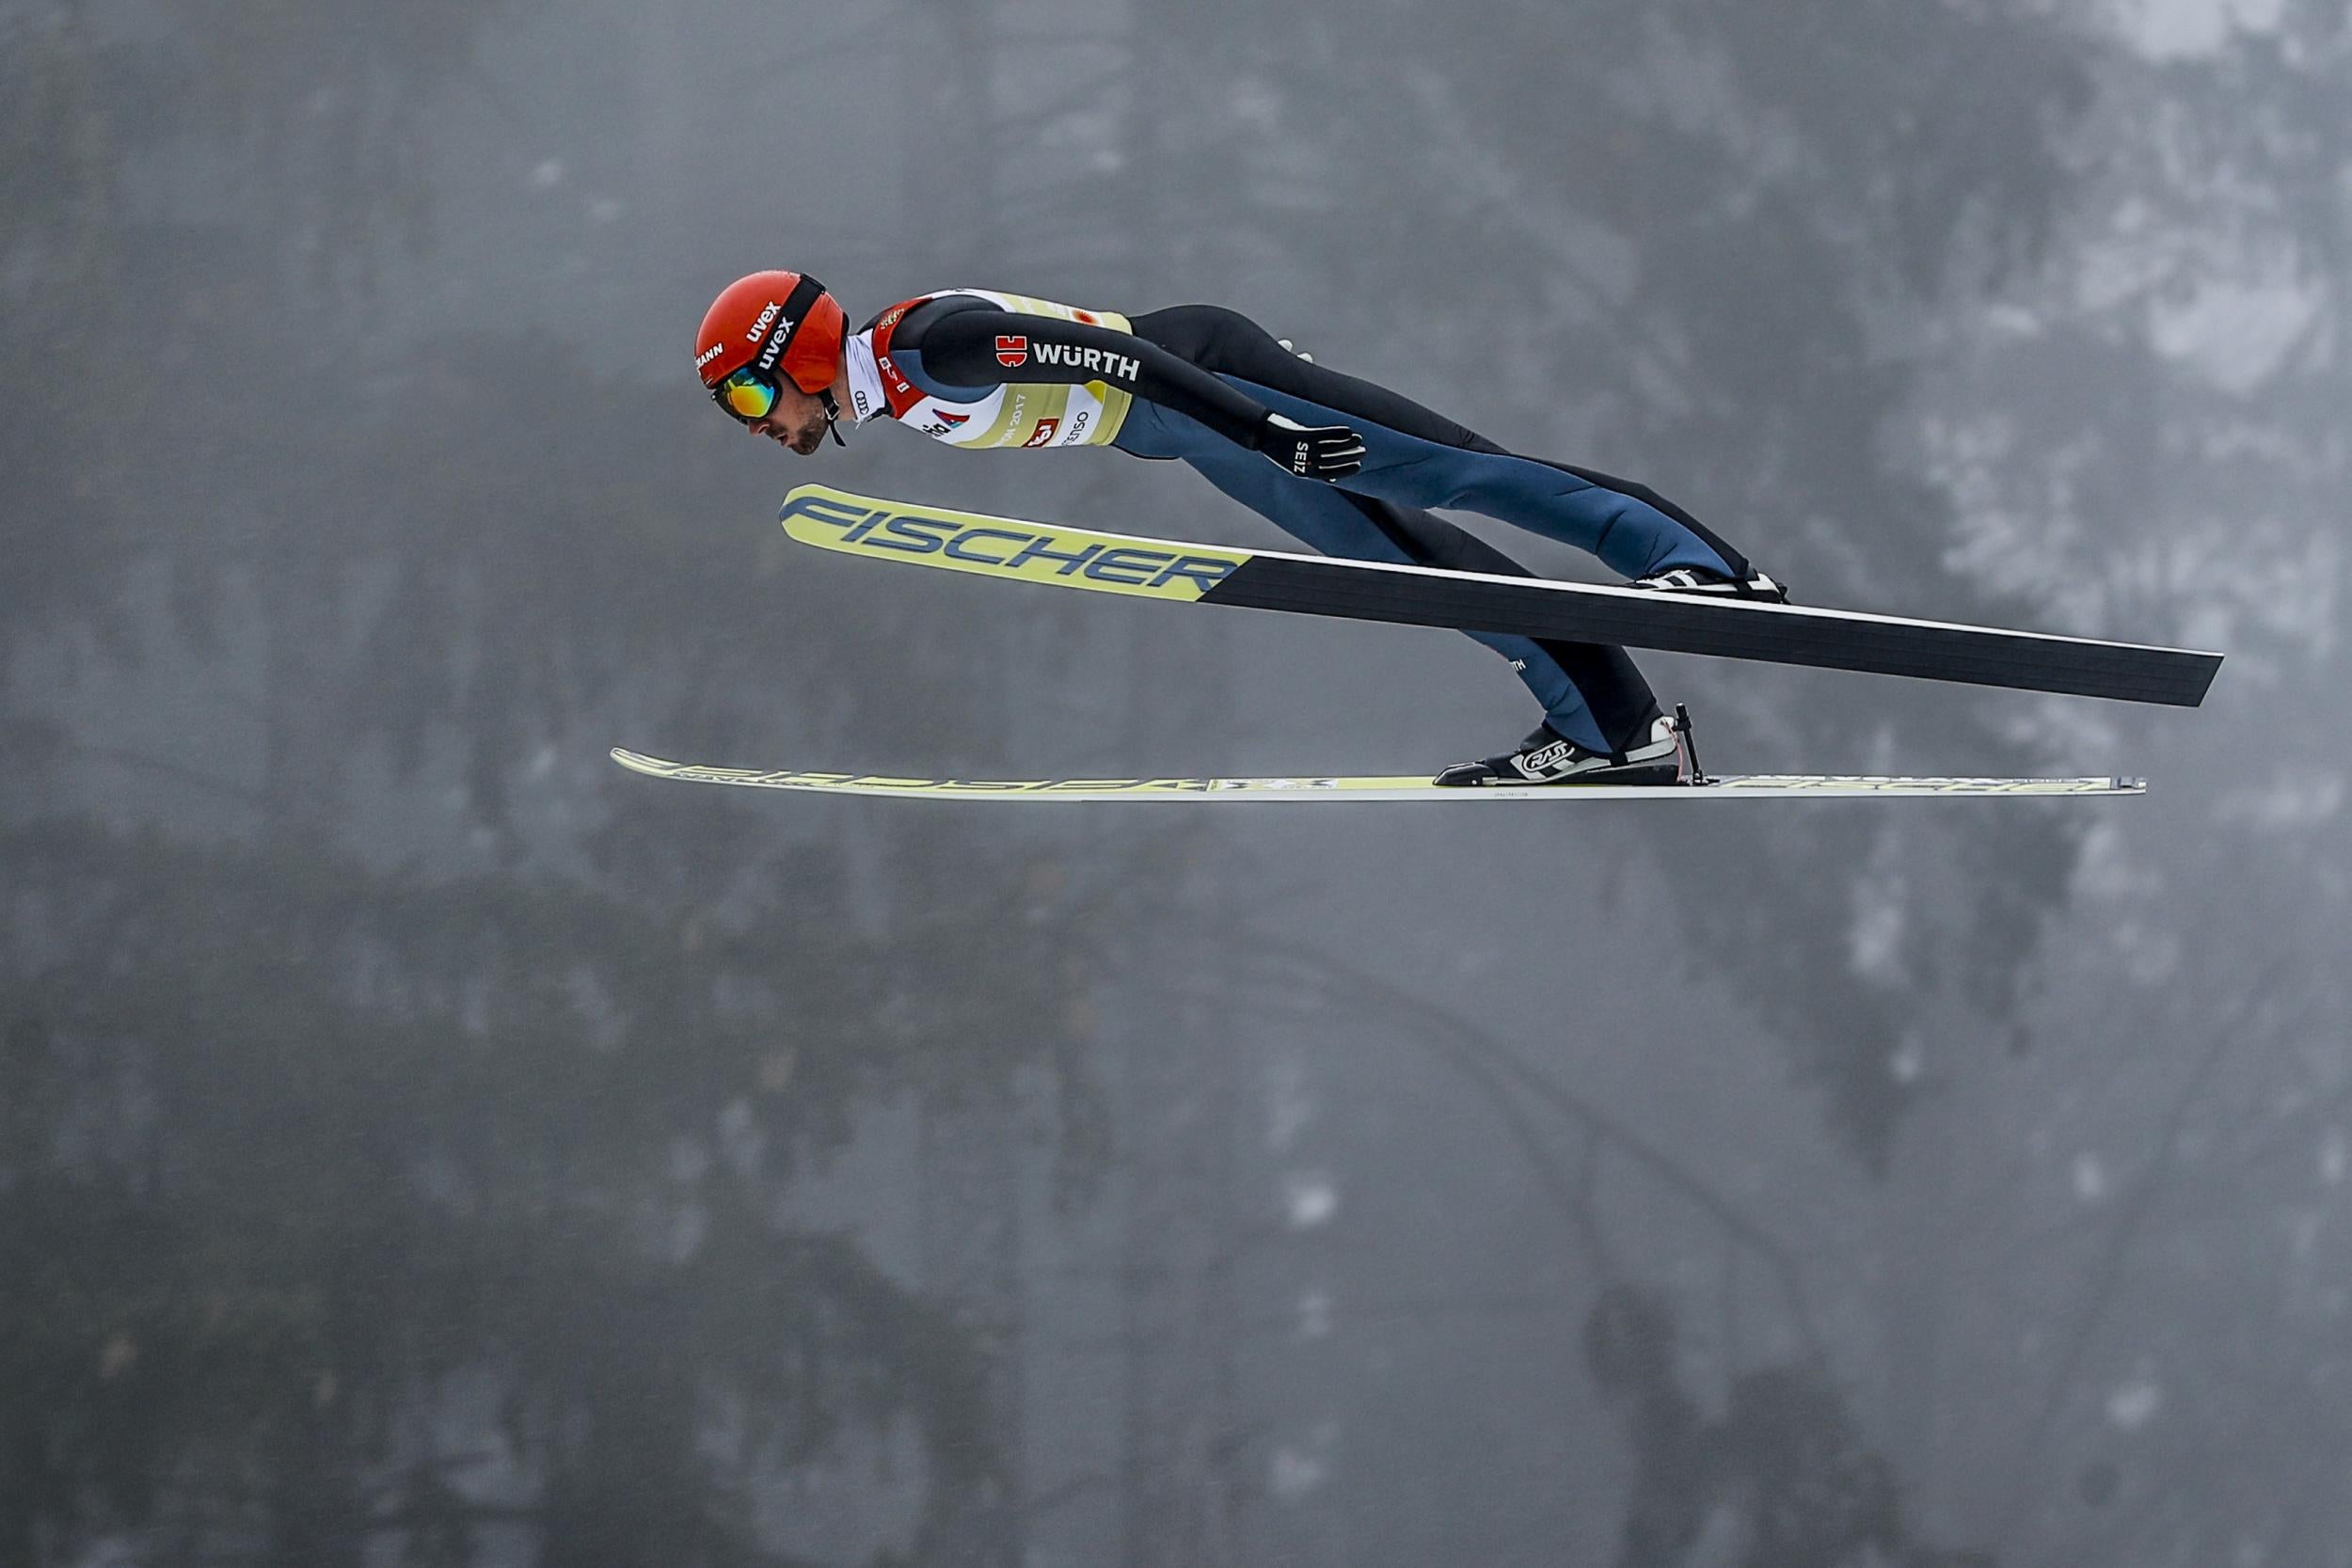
(775,323)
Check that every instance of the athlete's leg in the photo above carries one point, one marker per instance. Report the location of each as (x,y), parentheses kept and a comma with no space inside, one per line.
(1416,457)
(1620,701)
(1592,695)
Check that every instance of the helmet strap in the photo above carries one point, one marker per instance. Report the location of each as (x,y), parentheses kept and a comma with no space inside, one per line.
(790,315)
(832,416)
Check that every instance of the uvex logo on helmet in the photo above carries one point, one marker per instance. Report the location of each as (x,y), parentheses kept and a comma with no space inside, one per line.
(760,327)
(776,343)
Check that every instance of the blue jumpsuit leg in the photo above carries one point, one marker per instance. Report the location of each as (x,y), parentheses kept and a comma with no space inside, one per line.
(1631,537)
(1315,514)
(1416,457)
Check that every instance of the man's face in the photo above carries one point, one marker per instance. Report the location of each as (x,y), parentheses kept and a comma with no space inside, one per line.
(797,420)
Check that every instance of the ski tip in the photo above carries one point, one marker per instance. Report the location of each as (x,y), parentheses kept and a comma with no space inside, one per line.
(637,762)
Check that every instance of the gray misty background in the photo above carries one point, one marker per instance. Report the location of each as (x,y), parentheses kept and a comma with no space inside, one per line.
(422,1142)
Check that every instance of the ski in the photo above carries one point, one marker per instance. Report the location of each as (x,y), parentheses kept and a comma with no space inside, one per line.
(1749,786)
(1024,551)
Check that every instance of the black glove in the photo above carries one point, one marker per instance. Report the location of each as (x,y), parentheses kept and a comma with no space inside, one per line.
(1317,451)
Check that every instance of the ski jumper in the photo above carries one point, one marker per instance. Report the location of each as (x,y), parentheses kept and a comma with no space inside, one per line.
(1197,382)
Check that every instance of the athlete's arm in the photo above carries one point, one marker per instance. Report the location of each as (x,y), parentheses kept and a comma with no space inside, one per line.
(982,347)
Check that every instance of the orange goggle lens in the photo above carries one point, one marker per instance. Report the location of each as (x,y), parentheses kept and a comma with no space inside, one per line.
(747,395)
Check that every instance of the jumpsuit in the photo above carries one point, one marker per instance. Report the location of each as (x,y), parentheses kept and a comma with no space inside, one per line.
(1414,459)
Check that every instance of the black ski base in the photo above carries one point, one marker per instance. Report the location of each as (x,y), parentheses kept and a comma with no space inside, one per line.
(1774,633)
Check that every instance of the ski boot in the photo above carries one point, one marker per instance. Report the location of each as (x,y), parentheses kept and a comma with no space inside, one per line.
(1547,757)
(1698,580)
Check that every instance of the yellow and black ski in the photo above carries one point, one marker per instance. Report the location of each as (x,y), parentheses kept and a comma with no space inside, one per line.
(1751,786)
(1019,550)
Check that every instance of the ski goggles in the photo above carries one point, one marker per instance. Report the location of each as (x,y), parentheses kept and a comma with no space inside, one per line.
(747,390)
(748,394)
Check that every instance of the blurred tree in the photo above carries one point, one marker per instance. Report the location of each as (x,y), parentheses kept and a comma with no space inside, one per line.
(1783,1478)
(63,141)
(1711,243)
(2143,429)
(361,1159)
(376,1150)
